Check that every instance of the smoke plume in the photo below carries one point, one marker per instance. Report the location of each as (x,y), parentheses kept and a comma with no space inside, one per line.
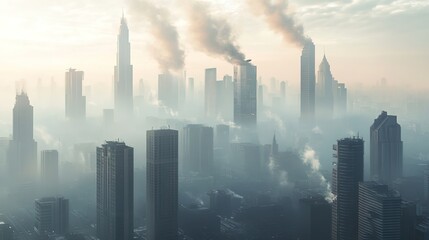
(211,34)
(276,15)
(166,49)
(310,159)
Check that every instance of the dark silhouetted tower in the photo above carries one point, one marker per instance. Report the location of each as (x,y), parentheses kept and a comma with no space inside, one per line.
(346,175)
(162,184)
(115,191)
(386,149)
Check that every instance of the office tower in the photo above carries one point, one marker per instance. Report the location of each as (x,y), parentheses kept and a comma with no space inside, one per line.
(123,79)
(115,191)
(386,149)
(6,231)
(283,90)
(245,105)
(315,213)
(49,171)
(224,98)
(347,172)
(324,93)
(408,220)
(340,98)
(379,212)
(210,92)
(52,215)
(75,101)
(308,81)
(168,91)
(198,149)
(162,184)
(22,153)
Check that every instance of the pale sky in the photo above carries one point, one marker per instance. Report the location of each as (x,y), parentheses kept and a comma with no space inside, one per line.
(364,40)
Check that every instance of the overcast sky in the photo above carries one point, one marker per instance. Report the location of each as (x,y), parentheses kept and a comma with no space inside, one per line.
(364,40)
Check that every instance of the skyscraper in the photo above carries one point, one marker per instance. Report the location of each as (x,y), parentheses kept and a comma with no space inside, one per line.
(22,153)
(386,149)
(210,92)
(245,89)
(115,191)
(346,175)
(162,184)
(49,171)
(340,98)
(123,79)
(52,215)
(315,214)
(308,82)
(379,212)
(324,93)
(224,98)
(75,101)
(198,149)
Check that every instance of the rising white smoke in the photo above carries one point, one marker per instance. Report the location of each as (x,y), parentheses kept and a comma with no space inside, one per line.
(310,158)
(280,174)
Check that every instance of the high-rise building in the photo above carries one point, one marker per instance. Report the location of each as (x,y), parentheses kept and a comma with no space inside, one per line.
(379,212)
(75,101)
(198,149)
(408,220)
(49,171)
(123,79)
(346,175)
(22,153)
(340,98)
(324,93)
(315,213)
(210,92)
(224,98)
(308,82)
(162,184)
(386,149)
(245,89)
(6,231)
(168,94)
(52,215)
(115,191)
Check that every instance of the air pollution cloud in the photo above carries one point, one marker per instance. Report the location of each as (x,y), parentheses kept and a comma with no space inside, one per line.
(166,49)
(210,34)
(310,159)
(276,15)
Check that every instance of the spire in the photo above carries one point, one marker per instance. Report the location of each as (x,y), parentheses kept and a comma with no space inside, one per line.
(274,147)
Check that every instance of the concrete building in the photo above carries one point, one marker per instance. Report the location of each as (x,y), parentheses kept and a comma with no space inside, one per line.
(49,172)
(115,191)
(52,215)
(346,175)
(162,184)
(379,212)
(75,101)
(386,149)
(324,90)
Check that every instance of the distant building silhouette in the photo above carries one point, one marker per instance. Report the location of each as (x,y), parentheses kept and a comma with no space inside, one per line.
(52,215)
(245,91)
(315,214)
(168,92)
(283,90)
(49,172)
(123,79)
(162,184)
(346,175)
(115,191)
(75,101)
(198,149)
(386,149)
(210,92)
(22,153)
(379,212)
(308,83)
(340,98)
(224,98)
(324,93)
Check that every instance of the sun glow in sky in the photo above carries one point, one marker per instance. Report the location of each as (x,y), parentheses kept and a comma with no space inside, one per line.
(364,40)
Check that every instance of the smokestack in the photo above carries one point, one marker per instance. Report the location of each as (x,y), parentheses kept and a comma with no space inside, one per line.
(166,50)
(210,34)
(276,15)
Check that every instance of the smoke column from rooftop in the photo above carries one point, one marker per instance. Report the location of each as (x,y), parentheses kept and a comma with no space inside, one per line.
(211,34)
(275,13)
(166,49)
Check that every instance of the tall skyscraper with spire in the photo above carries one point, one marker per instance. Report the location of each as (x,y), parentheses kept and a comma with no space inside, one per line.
(22,154)
(324,90)
(123,80)
(308,82)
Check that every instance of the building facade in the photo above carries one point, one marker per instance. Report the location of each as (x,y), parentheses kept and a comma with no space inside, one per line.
(245,91)
(52,215)
(308,83)
(75,101)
